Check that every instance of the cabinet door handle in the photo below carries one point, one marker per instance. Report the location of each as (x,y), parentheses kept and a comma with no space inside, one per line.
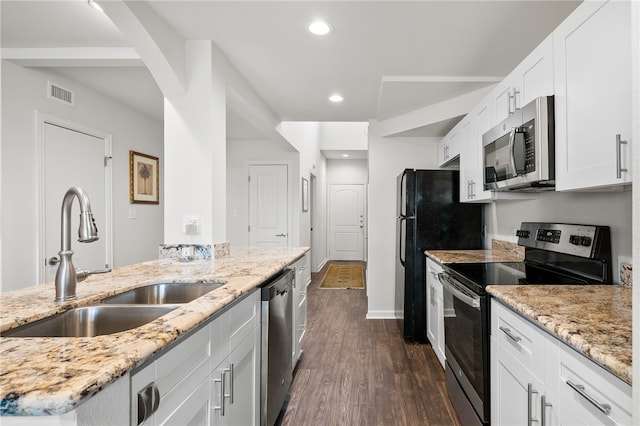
(605,408)
(530,392)
(512,97)
(508,332)
(619,168)
(148,402)
(543,410)
(231,383)
(223,385)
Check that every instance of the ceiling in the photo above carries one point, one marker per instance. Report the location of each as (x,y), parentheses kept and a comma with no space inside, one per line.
(385,57)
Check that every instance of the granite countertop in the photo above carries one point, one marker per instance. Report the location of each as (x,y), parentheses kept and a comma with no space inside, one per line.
(604,335)
(50,376)
(501,251)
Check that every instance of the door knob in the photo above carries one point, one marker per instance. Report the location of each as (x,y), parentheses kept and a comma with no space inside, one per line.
(53,261)
(281,235)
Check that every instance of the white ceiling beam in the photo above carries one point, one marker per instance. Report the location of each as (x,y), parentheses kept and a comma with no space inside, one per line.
(159,46)
(440,79)
(73,57)
(431,114)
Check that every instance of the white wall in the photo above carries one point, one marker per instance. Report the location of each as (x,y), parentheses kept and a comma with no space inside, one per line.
(337,135)
(305,138)
(347,172)
(240,154)
(24,89)
(388,157)
(613,209)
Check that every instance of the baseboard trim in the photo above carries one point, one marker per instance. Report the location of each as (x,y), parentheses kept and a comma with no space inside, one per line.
(322,264)
(381,315)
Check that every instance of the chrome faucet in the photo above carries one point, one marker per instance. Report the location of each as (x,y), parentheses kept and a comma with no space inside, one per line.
(66,275)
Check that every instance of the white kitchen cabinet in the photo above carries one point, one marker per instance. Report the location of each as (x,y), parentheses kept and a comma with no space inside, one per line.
(592,50)
(183,385)
(449,146)
(302,279)
(530,375)
(435,310)
(533,77)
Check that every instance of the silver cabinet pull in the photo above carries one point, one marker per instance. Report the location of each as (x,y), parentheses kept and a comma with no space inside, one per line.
(619,168)
(231,382)
(148,402)
(223,385)
(508,332)
(543,410)
(530,392)
(605,408)
(512,97)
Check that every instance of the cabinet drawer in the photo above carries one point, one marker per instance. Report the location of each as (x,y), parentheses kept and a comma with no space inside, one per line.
(243,318)
(519,337)
(600,397)
(191,355)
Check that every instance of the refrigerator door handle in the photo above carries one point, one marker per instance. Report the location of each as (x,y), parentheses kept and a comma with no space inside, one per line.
(401,246)
(401,189)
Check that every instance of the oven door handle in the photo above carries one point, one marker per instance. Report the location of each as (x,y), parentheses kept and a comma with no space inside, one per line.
(468,300)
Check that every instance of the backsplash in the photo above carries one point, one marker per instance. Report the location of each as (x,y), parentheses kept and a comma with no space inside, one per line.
(222,250)
(507,247)
(626,274)
(174,251)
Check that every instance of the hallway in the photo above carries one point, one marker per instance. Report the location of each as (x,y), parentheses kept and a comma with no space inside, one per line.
(356,371)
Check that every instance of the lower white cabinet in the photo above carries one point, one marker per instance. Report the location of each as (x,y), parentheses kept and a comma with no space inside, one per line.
(210,378)
(302,268)
(537,379)
(435,310)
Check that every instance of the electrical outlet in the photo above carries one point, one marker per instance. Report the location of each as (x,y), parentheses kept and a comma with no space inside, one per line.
(191,225)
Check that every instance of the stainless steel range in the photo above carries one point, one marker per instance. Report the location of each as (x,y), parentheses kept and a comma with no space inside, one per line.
(554,254)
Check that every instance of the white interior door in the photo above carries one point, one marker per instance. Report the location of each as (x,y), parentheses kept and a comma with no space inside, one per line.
(72,158)
(346,216)
(268,205)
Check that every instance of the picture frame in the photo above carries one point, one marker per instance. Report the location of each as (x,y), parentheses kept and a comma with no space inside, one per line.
(305,195)
(144,178)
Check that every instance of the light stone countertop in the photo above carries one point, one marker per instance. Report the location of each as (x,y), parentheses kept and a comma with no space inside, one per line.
(472,256)
(50,376)
(593,319)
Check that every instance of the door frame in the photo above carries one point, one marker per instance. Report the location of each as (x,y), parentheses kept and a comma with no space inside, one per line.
(290,198)
(43,118)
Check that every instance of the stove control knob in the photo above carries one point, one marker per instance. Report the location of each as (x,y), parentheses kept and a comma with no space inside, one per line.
(585,241)
(574,239)
(523,233)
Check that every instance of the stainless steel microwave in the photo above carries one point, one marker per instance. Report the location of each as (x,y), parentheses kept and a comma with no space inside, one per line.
(519,152)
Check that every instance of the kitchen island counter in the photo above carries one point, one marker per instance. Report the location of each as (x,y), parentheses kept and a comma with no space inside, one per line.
(50,376)
(595,320)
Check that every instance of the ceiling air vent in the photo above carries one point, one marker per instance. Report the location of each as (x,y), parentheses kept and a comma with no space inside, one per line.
(60,93)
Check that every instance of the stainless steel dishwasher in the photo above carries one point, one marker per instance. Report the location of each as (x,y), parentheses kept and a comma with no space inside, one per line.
(277,346)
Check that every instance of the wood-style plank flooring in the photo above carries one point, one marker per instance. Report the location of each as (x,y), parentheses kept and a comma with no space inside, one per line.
(356,371)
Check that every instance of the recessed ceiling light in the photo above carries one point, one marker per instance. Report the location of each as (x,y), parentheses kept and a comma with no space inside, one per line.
(336,98)
(319,28)
(345,155)
(95,5)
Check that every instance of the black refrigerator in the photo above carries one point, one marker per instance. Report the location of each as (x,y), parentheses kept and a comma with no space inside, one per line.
(429,217)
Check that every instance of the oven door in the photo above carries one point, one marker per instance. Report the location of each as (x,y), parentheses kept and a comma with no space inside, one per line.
(466,324)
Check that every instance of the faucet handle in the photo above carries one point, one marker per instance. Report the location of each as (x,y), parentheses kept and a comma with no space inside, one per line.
(82,274)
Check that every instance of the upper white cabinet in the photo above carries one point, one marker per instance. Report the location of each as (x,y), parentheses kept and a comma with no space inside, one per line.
(474,125)
(449,147)
(592,60)
(533,77)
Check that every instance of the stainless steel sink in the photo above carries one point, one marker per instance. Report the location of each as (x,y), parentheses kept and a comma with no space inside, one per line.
(91,321)
(163,293)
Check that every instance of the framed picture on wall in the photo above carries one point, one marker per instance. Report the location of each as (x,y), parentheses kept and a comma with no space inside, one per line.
(144,179)
(305,195)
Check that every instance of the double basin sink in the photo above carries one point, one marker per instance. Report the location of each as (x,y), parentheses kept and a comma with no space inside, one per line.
(121,312)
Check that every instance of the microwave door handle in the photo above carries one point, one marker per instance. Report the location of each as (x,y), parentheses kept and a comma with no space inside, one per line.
(512,143)
(518,152)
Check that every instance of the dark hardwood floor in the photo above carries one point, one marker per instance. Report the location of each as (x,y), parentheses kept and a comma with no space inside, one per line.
(356,371)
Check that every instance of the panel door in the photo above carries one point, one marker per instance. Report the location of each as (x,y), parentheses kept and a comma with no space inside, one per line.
(592,70)
(346,205)
(62,145)
(244,382)
(268,205)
